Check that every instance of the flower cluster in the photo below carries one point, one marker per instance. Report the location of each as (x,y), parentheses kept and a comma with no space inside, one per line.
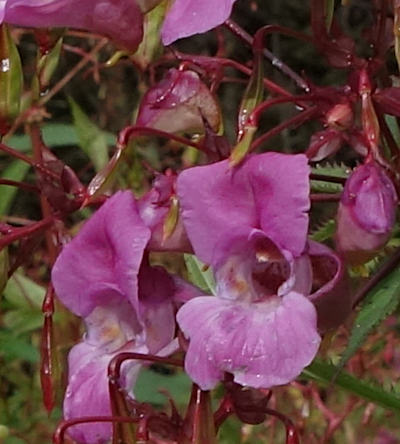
(245,217)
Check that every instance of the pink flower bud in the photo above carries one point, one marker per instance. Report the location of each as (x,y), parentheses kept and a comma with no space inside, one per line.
(366,213)
(340,116)
(179,103)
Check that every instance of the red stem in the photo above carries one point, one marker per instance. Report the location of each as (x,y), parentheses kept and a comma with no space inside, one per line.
(298,119)
(18,233)
(59,435)
(242,34)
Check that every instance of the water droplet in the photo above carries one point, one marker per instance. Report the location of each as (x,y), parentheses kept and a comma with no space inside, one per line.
(276,62)
(5,65)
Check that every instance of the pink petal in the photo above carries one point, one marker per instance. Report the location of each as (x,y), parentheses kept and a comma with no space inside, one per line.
(101,263)
(188,17)
(263,344)
(120,20)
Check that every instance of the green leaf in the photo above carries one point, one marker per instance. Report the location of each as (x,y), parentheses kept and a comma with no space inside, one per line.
(16,348)
(199,276)
(380,302)
(333,170)
(319,186)
(22,292)
(149,383)
(15,171)
(92,139)
(324,231)
(22,321)
(325,373)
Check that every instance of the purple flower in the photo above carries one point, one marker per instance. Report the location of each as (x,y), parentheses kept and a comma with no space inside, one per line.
(179,102)
(366,213)
(188,17)
(103,276)
(120,20)
(250,224)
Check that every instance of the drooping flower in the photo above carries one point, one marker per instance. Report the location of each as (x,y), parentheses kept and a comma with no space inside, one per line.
(103,276)
(188,17)
(366,213)
(120,20)
(250,224)
(179,103)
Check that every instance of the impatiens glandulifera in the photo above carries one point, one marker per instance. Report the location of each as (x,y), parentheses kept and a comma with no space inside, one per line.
(103,276)
(235,223)
(366,213)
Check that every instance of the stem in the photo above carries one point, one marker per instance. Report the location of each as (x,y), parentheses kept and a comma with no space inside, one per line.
(242,34)
(325,197)
(37,144)
(22,185)
(59,435)
(380,36)
(18,233)
(134,131)
(262,107)
(299,118)
(202,60)
(81,64)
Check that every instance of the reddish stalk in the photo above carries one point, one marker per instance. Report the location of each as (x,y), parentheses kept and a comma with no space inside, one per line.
(325,197)
(132,131)
(29,230)
(46,356)
(292,436)
(59,435)
(296,120)
(22,185)
(202,60)
(243,35)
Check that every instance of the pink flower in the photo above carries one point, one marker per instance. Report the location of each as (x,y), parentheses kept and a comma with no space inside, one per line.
(120,20)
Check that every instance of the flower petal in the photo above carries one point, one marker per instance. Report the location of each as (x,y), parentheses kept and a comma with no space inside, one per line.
(263,344)
(268,191)
(120,20)
(101,263)
(188,17)
(87,392)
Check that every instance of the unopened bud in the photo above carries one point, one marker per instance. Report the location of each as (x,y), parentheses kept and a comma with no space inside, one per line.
(366,213)
(340,116)
(178,104)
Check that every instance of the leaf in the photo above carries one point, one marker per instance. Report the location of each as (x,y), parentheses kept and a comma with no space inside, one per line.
(149,383)
(22,321)
(325,373)
(91,138)
(200,277)
(54,135)
(324,231)
(333,170)
(380,302)
(319,186)
(16,170)
(15,348)
(22,292)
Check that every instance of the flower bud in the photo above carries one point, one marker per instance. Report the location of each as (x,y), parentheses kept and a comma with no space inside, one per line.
(366,213)
(178,104)
(340,116)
